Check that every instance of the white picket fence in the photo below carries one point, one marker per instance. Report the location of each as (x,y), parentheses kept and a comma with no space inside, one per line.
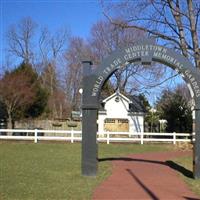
(108,137)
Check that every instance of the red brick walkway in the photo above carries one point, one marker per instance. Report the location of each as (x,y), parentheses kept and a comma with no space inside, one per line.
(145,176)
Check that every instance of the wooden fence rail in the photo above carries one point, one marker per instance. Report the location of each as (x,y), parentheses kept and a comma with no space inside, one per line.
(108,137)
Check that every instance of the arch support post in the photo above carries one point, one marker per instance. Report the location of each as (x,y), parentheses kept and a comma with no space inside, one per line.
(196,162)
(89,142)
(144,51)
(89,126)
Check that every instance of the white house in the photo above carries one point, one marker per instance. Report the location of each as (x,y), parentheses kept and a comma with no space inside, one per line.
(119,113)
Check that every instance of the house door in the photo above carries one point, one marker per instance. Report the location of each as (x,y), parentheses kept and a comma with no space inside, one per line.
(116,125)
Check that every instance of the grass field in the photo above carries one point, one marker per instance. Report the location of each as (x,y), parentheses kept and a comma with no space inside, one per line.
(186,162)
(52,171)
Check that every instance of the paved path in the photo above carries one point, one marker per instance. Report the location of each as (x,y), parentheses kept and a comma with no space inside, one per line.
(145,176)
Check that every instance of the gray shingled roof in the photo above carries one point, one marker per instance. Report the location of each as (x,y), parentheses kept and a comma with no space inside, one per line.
(135,106)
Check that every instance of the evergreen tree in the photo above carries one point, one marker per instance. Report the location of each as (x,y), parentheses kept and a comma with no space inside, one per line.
(144,101)
(2,111)
(37,107)
(21,94)
(174,107)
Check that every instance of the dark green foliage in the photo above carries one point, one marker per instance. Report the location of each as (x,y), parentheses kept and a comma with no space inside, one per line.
(152,120)
(39,95)
(151,115)
(28,70)
(173,107)
(3,114)
(144,101)
(39,104)
(107,89)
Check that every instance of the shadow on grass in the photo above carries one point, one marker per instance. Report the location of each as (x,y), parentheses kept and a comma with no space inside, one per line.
(180,169)
(168,163)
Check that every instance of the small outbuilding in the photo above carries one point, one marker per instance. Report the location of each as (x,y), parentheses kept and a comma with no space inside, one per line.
(120,113)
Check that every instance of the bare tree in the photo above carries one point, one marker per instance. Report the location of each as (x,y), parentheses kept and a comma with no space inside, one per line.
(51,49)
(58,41)
(15,93)
(44,46)
(77,50)
(43,53)
(20,39)
(174,22)
(106,38)
(61,104)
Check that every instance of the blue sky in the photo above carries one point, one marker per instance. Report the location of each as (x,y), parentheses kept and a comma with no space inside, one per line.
(77,15)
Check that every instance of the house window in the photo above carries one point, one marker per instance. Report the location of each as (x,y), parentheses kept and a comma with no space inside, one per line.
(123,121)
(117,99)
(109,121)
(116,125)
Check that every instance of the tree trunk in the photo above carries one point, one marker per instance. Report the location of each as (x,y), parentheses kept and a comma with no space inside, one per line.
(9,122)
(177,16)
(195,41)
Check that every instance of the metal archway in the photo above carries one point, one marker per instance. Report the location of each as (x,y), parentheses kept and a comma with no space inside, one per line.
(143,52)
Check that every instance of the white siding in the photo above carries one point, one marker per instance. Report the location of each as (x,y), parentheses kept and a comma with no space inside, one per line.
(116,109)
(136,124)
(101,119)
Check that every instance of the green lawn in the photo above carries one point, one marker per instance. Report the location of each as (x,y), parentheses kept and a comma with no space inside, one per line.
(186,162)
(52,171)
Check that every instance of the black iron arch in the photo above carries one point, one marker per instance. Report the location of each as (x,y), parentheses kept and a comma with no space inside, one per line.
(143,52)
